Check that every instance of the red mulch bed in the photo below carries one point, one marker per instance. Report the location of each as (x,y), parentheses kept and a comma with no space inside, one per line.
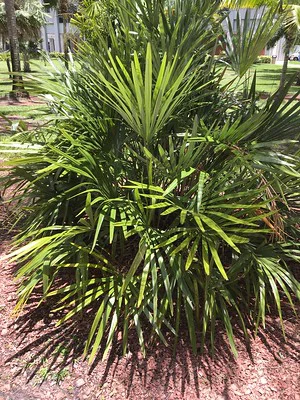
(41,361)
(21,101)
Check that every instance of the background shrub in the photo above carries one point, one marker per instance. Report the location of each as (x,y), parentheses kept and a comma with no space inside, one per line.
(56,55)
(4,56)
(263,60)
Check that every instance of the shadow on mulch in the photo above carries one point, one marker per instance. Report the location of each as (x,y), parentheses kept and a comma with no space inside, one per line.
(20,101)
(62,346)
(39,339)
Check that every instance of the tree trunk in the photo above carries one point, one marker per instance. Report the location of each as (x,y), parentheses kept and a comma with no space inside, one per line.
(8,67)
(18,85)
(65,41)
(26,66)
(287,49)
(284,69)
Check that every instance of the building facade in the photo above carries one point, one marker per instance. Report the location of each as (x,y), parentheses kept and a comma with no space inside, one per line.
(52,33)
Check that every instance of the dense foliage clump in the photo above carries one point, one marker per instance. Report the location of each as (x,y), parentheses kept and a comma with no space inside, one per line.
(171,197)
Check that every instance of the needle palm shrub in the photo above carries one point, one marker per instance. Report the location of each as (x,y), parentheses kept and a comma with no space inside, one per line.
(170,199)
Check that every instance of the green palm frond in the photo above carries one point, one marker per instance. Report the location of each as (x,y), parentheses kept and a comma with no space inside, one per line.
(250,38)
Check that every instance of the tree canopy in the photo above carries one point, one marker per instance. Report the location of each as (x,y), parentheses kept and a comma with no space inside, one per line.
(30,16)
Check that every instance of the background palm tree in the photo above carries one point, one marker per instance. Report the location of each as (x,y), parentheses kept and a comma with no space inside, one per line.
(92,16)
(14,47)
(29,17)
(290,31)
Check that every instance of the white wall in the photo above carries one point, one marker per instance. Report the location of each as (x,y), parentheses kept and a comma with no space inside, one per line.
(52,33)
(277,50)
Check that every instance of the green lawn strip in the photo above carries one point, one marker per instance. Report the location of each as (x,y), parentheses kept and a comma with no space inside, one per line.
(31,116)
(40,70)
(268,77)
(37,111)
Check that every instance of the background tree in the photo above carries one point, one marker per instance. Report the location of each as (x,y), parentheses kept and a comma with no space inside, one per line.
(94,16)
(30,17)
(14,47)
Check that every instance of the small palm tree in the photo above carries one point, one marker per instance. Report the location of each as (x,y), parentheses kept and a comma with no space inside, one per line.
(169,197)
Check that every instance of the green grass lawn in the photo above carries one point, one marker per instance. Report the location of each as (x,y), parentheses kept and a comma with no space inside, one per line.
(268,76)
(36,111)
(36,82)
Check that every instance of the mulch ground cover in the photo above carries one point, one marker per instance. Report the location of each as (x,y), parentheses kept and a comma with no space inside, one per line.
(40,360)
